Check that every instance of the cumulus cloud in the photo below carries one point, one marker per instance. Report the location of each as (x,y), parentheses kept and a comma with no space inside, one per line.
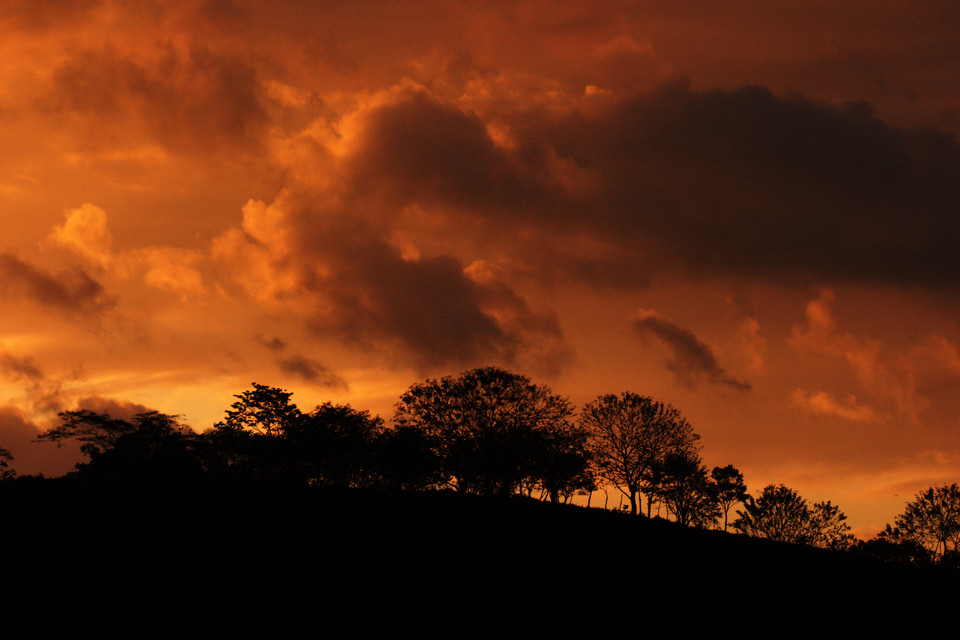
(690,359)
(85,232)
(343,275)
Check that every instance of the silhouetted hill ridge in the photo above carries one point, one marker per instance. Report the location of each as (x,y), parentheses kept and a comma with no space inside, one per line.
(230,544)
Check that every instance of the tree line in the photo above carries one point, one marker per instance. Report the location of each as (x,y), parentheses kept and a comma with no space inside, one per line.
(490,432)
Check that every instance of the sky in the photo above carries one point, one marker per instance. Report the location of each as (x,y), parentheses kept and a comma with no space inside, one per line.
(747,209)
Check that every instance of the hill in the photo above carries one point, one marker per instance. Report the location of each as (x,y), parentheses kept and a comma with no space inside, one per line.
(237,549)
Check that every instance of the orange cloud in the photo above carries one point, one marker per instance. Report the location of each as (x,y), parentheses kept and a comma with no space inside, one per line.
(823,403)
(85,232)
(690,359)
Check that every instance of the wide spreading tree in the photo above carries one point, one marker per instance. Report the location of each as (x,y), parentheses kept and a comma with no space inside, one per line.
(932,520)
(779,513)
(494,432)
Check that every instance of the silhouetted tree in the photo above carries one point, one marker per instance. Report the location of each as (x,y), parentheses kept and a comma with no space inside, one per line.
(932,519)
(685,488)
(890,546)
(249,441)
(561,462)
(780,514)
(333,445)
(488,427)
(629,436)
(730,489)
(152,446)
(5,459)
(407,459)
(828,527)
(262,410)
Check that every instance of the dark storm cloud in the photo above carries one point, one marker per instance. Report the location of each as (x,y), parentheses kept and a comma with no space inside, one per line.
(310,370)
(424,150)
(690,359)
(353,284)
(428,305)
(742,181)
(71,291)
(749,182)
(189,100)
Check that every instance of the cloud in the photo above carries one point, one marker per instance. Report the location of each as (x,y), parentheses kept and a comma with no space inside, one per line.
(18,434)
(824,404)
(73,291)
(750,183)
(739,182)
(189,98)
(310,370)
(891,381)
(85,232)
(19,368)
(690,359)
(43,393)
(345,278)
(120,409)
(426,150)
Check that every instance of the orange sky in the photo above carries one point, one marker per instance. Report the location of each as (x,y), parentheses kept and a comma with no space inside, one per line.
(746,209)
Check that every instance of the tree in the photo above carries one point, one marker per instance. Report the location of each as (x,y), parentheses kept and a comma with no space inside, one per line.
(890,546)
(333,446)
(827,527)
(487,426)
(630,435)
(932,519)
(152,446)
(687,491)
(561,462)
(730,489)
(262,410)
(780,514)
(407,460)
(249,441)
(5,458)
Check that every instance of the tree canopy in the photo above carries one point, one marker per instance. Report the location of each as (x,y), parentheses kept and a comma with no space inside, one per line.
(151,446)
(494,430)
(630,436)
(932,519)
(781,514)
(729,489)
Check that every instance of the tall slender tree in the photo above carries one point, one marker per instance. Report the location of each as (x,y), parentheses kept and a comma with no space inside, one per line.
(730,489)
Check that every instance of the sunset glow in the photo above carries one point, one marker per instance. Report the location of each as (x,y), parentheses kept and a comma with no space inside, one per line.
(748,210)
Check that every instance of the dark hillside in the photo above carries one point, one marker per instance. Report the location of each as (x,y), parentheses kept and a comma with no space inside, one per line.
(239,549)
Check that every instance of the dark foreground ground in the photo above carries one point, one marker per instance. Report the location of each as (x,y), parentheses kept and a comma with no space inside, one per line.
(228,556)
